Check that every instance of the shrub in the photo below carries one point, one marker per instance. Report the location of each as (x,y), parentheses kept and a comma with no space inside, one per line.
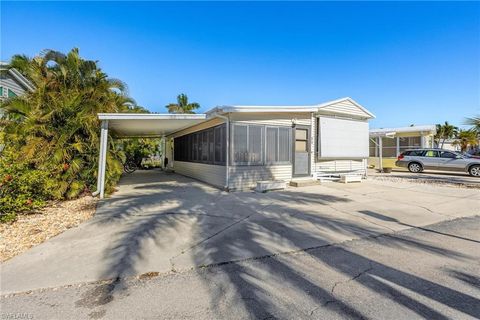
(22,188)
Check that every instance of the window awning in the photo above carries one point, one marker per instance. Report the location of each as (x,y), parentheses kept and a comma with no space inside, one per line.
(129,125)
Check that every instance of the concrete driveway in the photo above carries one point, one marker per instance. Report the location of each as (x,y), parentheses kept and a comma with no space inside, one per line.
(165,223)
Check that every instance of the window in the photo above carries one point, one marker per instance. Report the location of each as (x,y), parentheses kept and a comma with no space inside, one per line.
(11,94)
(277,145)
(414,153)
(301,140)
(257,145)
(220,144)
(240,150)
(247,144)
(271,154)
(207,146)
(409,143)
(430,154)
(284,143)
(449,155)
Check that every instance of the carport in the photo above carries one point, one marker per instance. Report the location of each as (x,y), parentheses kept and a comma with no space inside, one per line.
(138,125)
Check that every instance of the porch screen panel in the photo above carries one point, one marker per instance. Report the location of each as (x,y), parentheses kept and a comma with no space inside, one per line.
(240,150)
(195,147)
(271,146)
(206,146)
(255,144)
(220,143)
(284,143)
(211,148)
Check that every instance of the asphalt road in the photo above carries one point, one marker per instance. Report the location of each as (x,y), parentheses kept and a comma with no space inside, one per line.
(430,272)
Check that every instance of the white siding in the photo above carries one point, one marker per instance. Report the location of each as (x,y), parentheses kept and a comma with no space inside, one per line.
(344,107)
(273,119)
(211,174)
(246,177)
(7,82)
(341,166)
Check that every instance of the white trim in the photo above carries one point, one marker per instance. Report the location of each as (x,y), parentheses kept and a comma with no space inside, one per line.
(17,76)
(262,109)
(150,116)
(422,130)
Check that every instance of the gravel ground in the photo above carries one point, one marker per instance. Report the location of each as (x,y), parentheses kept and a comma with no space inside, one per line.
(32,229)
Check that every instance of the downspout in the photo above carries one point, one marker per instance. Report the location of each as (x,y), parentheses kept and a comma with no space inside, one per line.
(227,158)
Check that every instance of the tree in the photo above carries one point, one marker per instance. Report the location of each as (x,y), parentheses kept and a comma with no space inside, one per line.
(444,132)
(475,122)
(55,128)
(466,138)
(182,105)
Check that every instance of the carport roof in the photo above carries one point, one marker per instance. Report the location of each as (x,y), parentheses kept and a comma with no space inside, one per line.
(124,125)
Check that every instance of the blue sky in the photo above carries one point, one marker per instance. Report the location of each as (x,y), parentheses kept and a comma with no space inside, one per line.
(410,62)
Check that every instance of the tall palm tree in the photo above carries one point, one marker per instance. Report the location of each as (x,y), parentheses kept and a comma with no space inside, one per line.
(445,131)
(475,122)
(55,127)
(182,105)
(466,138)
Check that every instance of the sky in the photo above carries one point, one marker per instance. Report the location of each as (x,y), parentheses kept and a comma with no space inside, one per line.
(408,63)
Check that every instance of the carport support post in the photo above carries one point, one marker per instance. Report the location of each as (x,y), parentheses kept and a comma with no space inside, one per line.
(380,153)
(102,159)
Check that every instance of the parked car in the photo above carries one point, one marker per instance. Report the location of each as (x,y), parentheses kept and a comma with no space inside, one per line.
(417,160)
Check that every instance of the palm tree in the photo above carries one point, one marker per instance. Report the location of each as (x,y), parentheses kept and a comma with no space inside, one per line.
(444,132)
(55,127)
(466,138)
(182,105)
(475,122)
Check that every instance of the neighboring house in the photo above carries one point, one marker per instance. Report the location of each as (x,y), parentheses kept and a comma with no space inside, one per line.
(12,82)
(448,144)
(393,141)
(233,147)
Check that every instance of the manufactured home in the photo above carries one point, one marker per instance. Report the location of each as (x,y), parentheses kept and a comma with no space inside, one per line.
(233,147)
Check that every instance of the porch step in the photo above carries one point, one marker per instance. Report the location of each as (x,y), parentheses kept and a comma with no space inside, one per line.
(303,183)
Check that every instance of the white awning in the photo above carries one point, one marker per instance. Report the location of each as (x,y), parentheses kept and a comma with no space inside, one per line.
(124,125)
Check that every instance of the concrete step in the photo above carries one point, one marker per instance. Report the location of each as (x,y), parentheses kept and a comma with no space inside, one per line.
(304,183)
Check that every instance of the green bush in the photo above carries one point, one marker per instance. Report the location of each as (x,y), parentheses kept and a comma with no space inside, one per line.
(22,188)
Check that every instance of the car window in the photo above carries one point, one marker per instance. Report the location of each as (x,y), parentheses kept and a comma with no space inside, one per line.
(417,153)
(431,153)
(446,154)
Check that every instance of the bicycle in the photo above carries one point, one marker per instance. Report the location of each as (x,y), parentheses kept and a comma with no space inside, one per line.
(130,166)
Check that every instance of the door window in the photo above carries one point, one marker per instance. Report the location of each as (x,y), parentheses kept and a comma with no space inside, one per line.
(431,154)
(301,140)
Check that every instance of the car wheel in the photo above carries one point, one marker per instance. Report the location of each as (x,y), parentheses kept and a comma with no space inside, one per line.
(474,171)
(415,167)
